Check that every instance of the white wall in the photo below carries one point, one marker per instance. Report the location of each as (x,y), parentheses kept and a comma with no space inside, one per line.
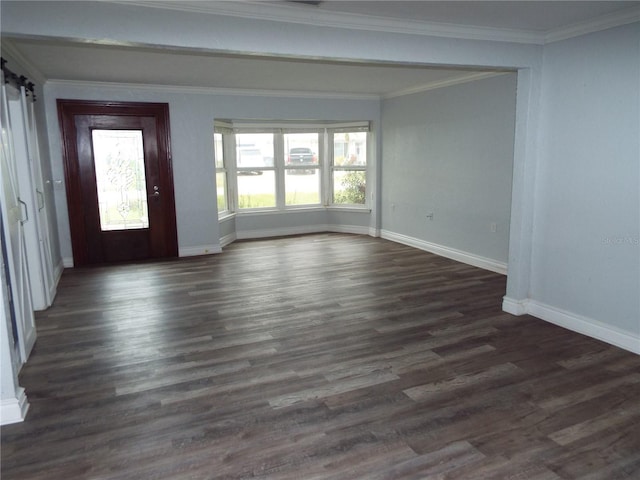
(191,118)
(586,241)
(450,152)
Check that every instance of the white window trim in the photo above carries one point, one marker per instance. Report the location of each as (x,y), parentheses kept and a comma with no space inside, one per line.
(224,169)
(353,168)
(325,166)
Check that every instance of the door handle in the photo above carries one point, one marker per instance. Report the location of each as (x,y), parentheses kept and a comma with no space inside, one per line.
(40,200)
(26,212)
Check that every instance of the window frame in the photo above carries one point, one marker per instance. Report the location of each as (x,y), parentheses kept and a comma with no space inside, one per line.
(222,170)
(319,167)
(325,166)
(238,172)
(352,168)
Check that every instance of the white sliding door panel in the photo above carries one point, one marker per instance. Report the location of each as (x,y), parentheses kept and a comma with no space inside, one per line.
(31,192)
(42,209)
(14,218)
(27,198)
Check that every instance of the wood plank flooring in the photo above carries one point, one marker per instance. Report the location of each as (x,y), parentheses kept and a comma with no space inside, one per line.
(316,357)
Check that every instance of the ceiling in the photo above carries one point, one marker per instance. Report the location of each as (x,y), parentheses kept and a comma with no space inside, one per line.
(98,63)
(75,61)
(539,16)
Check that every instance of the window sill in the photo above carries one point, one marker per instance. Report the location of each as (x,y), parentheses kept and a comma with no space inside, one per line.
(320,208)
(274,211)
(348,208)
(225,217)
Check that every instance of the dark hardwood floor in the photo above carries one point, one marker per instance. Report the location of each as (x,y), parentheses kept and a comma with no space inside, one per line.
(316,357)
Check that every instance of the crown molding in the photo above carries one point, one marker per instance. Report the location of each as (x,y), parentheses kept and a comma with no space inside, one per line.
(604,22)
(258,10)
(465,78)
(11,52)
(213,90)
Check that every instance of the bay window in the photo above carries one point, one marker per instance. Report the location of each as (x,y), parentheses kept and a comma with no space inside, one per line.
(302,169)
(255,170)
(349,167)
(221,175)
(281,166)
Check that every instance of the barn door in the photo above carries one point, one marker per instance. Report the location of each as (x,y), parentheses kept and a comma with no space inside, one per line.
(14,218)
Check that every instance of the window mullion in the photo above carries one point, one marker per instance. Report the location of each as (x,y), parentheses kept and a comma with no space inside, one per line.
(230,152)
(323,164)
(278,163)
(328,174)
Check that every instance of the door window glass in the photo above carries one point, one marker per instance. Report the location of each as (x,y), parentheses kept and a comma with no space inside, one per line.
(120,179)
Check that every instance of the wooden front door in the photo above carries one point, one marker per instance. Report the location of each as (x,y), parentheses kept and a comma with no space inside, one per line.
(119,181)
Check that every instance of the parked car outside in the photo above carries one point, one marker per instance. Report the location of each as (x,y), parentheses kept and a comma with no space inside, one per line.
(301,156)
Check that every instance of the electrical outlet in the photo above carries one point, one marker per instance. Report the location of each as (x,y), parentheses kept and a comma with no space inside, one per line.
(430,215)
(494,227)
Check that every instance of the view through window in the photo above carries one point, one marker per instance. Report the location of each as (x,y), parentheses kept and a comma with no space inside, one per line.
(279,168)
(221,174)
(349,168)
(255,170)
(302,180)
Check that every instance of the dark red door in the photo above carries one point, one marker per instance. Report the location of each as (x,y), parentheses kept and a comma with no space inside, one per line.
(119,181)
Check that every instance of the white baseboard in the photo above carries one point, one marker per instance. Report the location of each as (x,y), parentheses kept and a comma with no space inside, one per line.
(14,410)
(199,250)
(514,307)
(57,272)
(228,239)
(301,230)
(67,262)
(278,232)
(448,252)
(577,323)
(353,229)
(57,275)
